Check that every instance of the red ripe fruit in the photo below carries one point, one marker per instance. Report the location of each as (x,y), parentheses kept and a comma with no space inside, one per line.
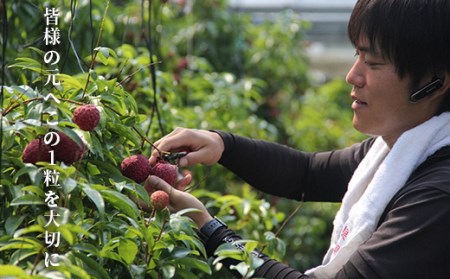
(36,151)
(159,199)
(136,167)
(86,117)
(67,150)
(166,172)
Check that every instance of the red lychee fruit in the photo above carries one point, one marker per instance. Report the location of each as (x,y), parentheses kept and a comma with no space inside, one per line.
(159,199)
(67,150)
(86,117)
(136,167)
(166,172)
(36,151)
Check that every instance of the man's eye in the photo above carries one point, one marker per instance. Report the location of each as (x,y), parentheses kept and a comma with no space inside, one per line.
(371,64)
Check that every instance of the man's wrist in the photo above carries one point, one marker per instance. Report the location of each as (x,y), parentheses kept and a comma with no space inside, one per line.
(202,219)
(209,228)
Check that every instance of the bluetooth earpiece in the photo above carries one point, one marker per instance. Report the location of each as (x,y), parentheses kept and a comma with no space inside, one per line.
(426,90)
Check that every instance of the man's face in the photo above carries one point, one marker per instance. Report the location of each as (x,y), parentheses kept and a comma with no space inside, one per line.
(381,98)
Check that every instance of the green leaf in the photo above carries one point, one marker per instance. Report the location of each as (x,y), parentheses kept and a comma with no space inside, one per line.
(69,185)
(92,169)
(195,263)
(112,171)
(115,101)
(227,250)
(95,197)
(27,63)
(251,245)
(29,170)
(241,267)
(150,234)
(125,132)
(142,193)
(74,270)
(187,210)
(127,250)
(22,243)
(121,202)
(103,53)
(70,82)
(34,189)
(30,229)
(138,271)
(21,254)
(93,74)
(11,270)
(87,247)
(96,270)
(168,271)
(255,262)
(12,223)
(96,148)
(180,252)
(111,255)
(66,234)
(27,200)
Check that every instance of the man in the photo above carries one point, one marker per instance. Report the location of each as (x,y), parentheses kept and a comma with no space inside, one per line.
(394,220)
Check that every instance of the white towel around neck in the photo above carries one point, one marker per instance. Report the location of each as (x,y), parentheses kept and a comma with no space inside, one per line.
(378,177)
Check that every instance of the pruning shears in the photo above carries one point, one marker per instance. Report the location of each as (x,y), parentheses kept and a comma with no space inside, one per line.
(172,156)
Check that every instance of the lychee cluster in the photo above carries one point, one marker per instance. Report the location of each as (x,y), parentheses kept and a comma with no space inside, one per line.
(138,168)
(86,117)
(67,151)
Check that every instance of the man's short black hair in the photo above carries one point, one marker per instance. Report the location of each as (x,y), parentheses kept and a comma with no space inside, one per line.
(413,34)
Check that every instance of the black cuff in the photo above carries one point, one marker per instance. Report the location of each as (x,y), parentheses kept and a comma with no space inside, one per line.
(228,142)
(208,229)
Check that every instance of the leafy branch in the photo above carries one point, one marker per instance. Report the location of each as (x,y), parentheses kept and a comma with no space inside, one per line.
(91,67)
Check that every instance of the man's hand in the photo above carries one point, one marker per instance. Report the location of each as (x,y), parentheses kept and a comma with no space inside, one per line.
(204,147)
(179,200)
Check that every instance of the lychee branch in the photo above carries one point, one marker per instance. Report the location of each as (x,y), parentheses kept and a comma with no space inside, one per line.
(148,43)
(129,76)
(283,225)
(37,260)
(158,238)
(143,137)
(91,67)
(16,105)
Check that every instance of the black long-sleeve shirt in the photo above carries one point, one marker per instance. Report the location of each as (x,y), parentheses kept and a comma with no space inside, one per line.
(412,239)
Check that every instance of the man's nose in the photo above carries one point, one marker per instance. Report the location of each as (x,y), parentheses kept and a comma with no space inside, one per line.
(355,75)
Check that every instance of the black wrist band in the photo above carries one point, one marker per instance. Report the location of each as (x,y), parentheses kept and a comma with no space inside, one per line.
(208,229)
